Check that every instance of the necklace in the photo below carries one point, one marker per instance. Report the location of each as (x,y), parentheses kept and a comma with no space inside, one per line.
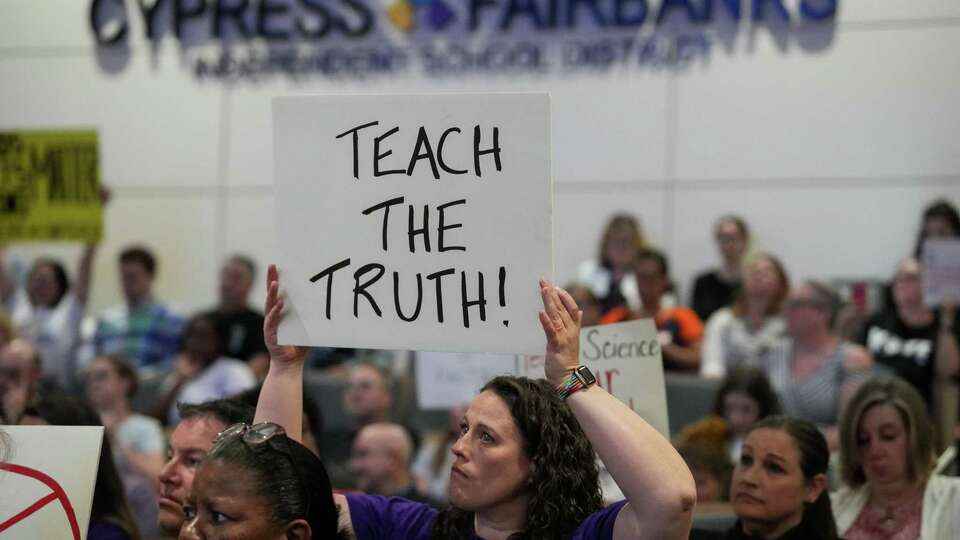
(891,516)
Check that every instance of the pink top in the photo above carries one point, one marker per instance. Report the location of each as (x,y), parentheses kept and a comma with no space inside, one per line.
(898,524)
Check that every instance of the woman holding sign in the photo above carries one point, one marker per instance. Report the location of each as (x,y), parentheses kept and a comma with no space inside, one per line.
(524,460)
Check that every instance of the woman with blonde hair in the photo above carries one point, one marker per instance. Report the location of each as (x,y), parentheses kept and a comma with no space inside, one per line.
(887,459)
(610,276)
(739,335)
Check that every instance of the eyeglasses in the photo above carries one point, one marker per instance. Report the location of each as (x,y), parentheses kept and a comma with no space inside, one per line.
(802,303)
(259,435)
(254,435)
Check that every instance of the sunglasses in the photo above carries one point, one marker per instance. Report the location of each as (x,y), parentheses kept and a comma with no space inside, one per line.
(254,435)
(259,435)
(804,303)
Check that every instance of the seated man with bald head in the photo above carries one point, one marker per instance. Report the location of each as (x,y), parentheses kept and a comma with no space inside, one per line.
(380,462)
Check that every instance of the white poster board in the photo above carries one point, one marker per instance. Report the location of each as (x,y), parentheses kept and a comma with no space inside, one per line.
(627,362)
(941,271)
(414,222)
(47,480)
(445,380)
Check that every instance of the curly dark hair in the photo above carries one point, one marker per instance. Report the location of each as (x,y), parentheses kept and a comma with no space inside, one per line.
(564,482)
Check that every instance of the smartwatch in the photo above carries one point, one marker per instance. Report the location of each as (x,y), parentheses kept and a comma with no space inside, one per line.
(578,380)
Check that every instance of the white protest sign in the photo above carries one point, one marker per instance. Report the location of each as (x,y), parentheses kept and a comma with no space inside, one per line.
(47,480)
(941,271)
(627,362)
(414,222)
(445,380)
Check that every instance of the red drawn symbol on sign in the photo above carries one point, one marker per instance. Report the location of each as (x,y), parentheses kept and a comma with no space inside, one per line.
(57,493)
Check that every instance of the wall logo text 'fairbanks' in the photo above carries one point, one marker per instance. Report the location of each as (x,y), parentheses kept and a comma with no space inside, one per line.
(356,38)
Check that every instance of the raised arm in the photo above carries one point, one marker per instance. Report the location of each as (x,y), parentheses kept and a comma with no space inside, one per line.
(85,273)
(85,265)
(657,483)
(948,350)
(281,398)
(8,286)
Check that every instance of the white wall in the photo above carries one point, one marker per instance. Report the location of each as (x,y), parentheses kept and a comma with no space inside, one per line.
(829,155)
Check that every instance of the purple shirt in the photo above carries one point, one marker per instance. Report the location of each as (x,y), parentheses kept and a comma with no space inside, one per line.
(378,517)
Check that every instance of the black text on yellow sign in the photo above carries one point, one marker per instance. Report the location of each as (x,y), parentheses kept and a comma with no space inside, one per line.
(49,186)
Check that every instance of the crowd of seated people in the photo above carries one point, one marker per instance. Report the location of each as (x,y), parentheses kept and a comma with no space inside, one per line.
(793,390)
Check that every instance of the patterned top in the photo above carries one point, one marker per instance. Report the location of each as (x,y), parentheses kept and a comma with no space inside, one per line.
(816,397)
(899,524)
(729,342)
(148,336)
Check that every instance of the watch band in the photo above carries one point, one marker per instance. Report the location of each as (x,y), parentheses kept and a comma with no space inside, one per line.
(578,380)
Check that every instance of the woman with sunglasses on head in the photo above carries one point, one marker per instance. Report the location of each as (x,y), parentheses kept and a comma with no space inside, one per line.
(524,465)
(258,483)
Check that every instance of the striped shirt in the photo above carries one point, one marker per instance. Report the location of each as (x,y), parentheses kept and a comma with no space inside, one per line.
(815,397)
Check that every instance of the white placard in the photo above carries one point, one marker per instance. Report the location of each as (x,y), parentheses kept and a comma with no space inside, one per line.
(627,362)
(47,480)
(376,194)
(445,380)
(941,271)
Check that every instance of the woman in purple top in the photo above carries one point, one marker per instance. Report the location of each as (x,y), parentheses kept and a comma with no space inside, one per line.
(523,464)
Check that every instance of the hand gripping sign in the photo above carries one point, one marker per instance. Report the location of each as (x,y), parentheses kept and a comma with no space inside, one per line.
(414,222)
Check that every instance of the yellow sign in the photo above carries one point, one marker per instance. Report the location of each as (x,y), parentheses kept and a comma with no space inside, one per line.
(49,186)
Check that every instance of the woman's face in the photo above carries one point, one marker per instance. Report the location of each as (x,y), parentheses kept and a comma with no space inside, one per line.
(768,485)
(761,279)
(907,286)
(42,287)
(489,468)
(223,506)
(731,241)
(709,487)
(882,444)
(620,249)
(938,227)
(103,385)
(740,411)
(803,312)
(201,340)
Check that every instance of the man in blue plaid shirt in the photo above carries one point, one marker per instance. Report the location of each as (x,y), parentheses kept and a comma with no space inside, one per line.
(144,330)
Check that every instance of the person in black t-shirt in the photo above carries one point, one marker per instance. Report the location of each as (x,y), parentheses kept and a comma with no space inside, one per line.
(241,327)
(916,343)
(717,288)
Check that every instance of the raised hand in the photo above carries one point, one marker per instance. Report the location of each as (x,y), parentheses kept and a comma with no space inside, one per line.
(560,319)
(280,355)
